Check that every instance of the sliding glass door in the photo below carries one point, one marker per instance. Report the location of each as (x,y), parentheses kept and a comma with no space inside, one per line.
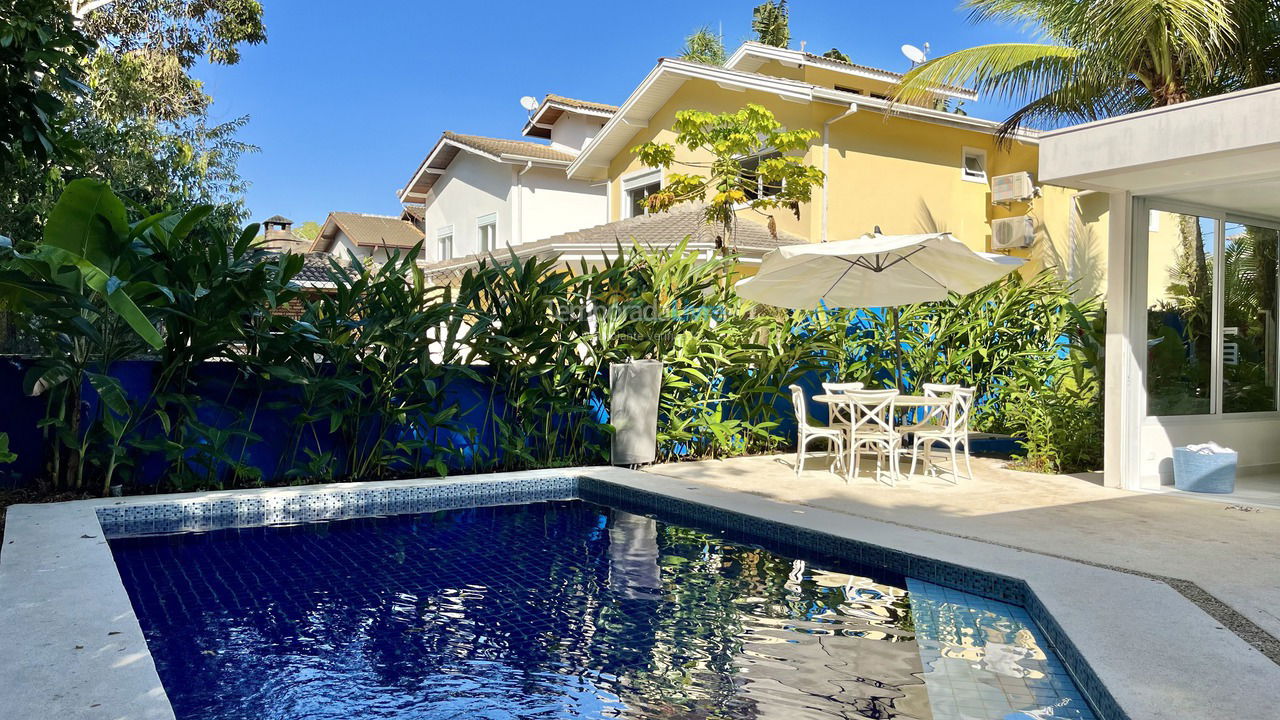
(1211,313)
(1248,318)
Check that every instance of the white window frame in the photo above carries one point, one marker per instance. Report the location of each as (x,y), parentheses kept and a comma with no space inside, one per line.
(759,181)
(637,180)
(482,222)
(979,153)
(444,233)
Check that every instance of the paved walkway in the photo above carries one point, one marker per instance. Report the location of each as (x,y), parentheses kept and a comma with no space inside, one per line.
(1230,551)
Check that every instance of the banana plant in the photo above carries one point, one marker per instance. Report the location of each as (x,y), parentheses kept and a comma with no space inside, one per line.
(83,291)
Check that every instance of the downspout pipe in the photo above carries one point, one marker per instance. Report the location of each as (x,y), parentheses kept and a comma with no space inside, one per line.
(826,160)
(517,235)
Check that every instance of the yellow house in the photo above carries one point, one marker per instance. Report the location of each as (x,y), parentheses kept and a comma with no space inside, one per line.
(902,168)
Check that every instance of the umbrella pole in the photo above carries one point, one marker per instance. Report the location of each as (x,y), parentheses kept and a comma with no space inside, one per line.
(897,352)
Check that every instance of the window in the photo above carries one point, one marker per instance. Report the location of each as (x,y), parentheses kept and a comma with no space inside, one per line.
(1249,314)
(444,243)
(974,166)
(1180,316)
(487,232)
(754,185)
(1212,311)
(638,187)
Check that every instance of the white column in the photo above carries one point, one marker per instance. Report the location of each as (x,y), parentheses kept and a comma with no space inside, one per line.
(1125,401)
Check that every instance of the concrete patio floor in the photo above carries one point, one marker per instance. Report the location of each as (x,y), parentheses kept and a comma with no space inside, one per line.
(1229,550)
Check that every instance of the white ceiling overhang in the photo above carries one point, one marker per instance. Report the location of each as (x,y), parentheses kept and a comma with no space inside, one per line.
(1222,152)
(658,87)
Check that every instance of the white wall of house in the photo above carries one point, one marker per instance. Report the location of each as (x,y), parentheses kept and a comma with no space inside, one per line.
(473,186)
(551,203)
(344,248)
(530,203)
(572,132)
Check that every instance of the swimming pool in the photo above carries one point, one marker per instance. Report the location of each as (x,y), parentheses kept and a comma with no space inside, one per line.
(566,608)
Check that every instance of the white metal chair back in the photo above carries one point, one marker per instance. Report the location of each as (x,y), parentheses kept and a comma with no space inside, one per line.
(957,421)
(799,403)
(936,389)
(840,413)
(871,412)
(936,415)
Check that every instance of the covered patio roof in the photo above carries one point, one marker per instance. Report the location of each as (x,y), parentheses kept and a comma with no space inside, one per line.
(1221,151)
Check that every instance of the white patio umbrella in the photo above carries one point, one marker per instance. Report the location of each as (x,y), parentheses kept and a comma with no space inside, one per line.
(874,271)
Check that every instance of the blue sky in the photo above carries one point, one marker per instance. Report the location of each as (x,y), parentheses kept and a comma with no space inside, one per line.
(346,98)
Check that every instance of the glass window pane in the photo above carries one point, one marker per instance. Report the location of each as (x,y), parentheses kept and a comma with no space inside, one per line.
(973,165)
(636,199)
(1249,319)
(1180,258)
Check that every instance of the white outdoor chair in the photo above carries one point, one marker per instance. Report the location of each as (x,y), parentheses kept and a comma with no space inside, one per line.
(806,432)
(934,415)
(871,426)
(953,432)
(840,413)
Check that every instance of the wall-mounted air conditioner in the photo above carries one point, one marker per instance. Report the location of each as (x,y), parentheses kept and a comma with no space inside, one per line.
(1011,188)
(1012,233)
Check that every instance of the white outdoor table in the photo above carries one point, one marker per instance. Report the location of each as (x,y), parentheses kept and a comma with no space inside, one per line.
(903,402)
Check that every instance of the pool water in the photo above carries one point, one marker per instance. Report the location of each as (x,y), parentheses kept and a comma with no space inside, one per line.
(565,609)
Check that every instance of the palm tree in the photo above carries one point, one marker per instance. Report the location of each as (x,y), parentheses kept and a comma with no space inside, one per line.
(1101,58)
(704,46)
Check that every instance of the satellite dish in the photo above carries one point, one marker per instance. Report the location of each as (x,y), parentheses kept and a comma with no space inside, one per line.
(915,54)
(529,103)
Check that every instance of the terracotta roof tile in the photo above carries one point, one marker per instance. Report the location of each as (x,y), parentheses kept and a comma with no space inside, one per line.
(499,147)
(656,230)
(583,104)
(373,230)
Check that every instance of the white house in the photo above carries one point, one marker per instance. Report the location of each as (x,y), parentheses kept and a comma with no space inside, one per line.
(365,237)
(1192,340)
(480,194)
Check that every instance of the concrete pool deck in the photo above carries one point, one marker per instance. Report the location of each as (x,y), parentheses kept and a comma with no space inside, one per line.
(71,647)
(1229,549)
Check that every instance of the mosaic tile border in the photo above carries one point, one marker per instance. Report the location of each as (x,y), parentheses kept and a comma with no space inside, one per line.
(327,503)
(313,504)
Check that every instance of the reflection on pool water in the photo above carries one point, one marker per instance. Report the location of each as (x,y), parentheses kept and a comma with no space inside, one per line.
(565,609)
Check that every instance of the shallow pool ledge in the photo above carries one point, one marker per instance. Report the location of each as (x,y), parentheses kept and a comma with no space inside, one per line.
(71,646)
(1158,655)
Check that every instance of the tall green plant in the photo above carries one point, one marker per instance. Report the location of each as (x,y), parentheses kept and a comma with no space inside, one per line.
(723,184)
(704,46)
(770,23)
(83,293)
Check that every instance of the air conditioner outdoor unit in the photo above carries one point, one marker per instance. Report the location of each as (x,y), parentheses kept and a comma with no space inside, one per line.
(1014,187)
(1014,232)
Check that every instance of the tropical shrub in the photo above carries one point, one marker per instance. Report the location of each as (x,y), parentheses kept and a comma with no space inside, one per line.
(389,375)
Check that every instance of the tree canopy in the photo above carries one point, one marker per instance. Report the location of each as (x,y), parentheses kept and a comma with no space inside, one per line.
(704,46)
(111,95)
(40,50)
(750,165)
(769,23)
(1097,59)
